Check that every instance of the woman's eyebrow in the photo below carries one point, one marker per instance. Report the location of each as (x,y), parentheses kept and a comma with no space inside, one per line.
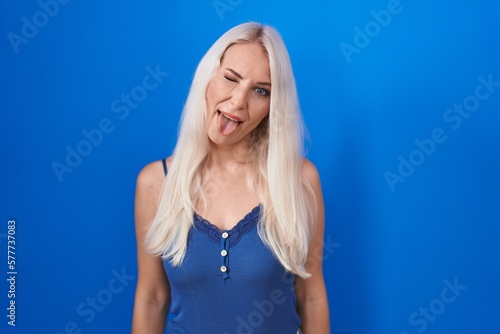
(234,72)
(240,77)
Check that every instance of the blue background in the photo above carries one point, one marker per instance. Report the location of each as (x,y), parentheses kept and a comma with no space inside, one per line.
(391,248)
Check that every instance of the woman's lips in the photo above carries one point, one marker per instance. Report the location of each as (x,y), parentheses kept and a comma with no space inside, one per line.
(230,116)
(227,123)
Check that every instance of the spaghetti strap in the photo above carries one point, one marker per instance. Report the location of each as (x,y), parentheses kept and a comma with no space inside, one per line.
(164,162)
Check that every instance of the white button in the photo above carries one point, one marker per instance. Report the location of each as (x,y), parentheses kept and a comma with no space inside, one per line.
(223,252)
(223,269)
(225,235)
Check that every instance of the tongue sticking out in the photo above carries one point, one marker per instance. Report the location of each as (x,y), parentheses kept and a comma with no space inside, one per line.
(226,126)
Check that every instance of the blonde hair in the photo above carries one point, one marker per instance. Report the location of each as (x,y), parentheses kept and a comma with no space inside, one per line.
(287,200)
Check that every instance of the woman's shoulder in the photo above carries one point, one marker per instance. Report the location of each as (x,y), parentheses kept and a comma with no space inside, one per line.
(153,173)
(310,172)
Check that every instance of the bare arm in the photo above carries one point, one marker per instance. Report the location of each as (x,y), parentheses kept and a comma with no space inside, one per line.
(152,295)
(311,292)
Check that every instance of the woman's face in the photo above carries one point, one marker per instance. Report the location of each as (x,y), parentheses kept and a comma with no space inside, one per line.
(238,96)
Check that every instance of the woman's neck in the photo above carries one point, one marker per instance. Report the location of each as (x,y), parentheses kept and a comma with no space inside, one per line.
(228,158)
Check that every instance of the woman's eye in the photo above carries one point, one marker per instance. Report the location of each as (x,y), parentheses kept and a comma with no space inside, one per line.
(230,78)
(262,91)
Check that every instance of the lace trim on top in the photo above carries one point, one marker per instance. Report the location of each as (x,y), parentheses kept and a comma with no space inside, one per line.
(240,229)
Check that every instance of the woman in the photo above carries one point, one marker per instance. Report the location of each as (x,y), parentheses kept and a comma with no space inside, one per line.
(239,154)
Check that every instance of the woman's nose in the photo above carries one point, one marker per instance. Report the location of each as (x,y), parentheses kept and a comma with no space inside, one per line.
(239,98)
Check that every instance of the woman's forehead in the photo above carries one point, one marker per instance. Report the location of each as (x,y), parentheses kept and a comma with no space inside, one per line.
(248,58)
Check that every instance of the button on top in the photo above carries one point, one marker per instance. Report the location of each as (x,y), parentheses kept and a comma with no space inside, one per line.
(223,252)
(223,269)
(225,235)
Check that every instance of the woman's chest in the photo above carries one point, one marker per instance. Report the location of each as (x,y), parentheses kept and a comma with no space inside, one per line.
(236,258)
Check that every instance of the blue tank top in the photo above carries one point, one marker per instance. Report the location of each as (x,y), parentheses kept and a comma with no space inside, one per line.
(230,283)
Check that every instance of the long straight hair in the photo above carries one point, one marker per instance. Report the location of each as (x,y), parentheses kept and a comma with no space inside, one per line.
(276,151)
